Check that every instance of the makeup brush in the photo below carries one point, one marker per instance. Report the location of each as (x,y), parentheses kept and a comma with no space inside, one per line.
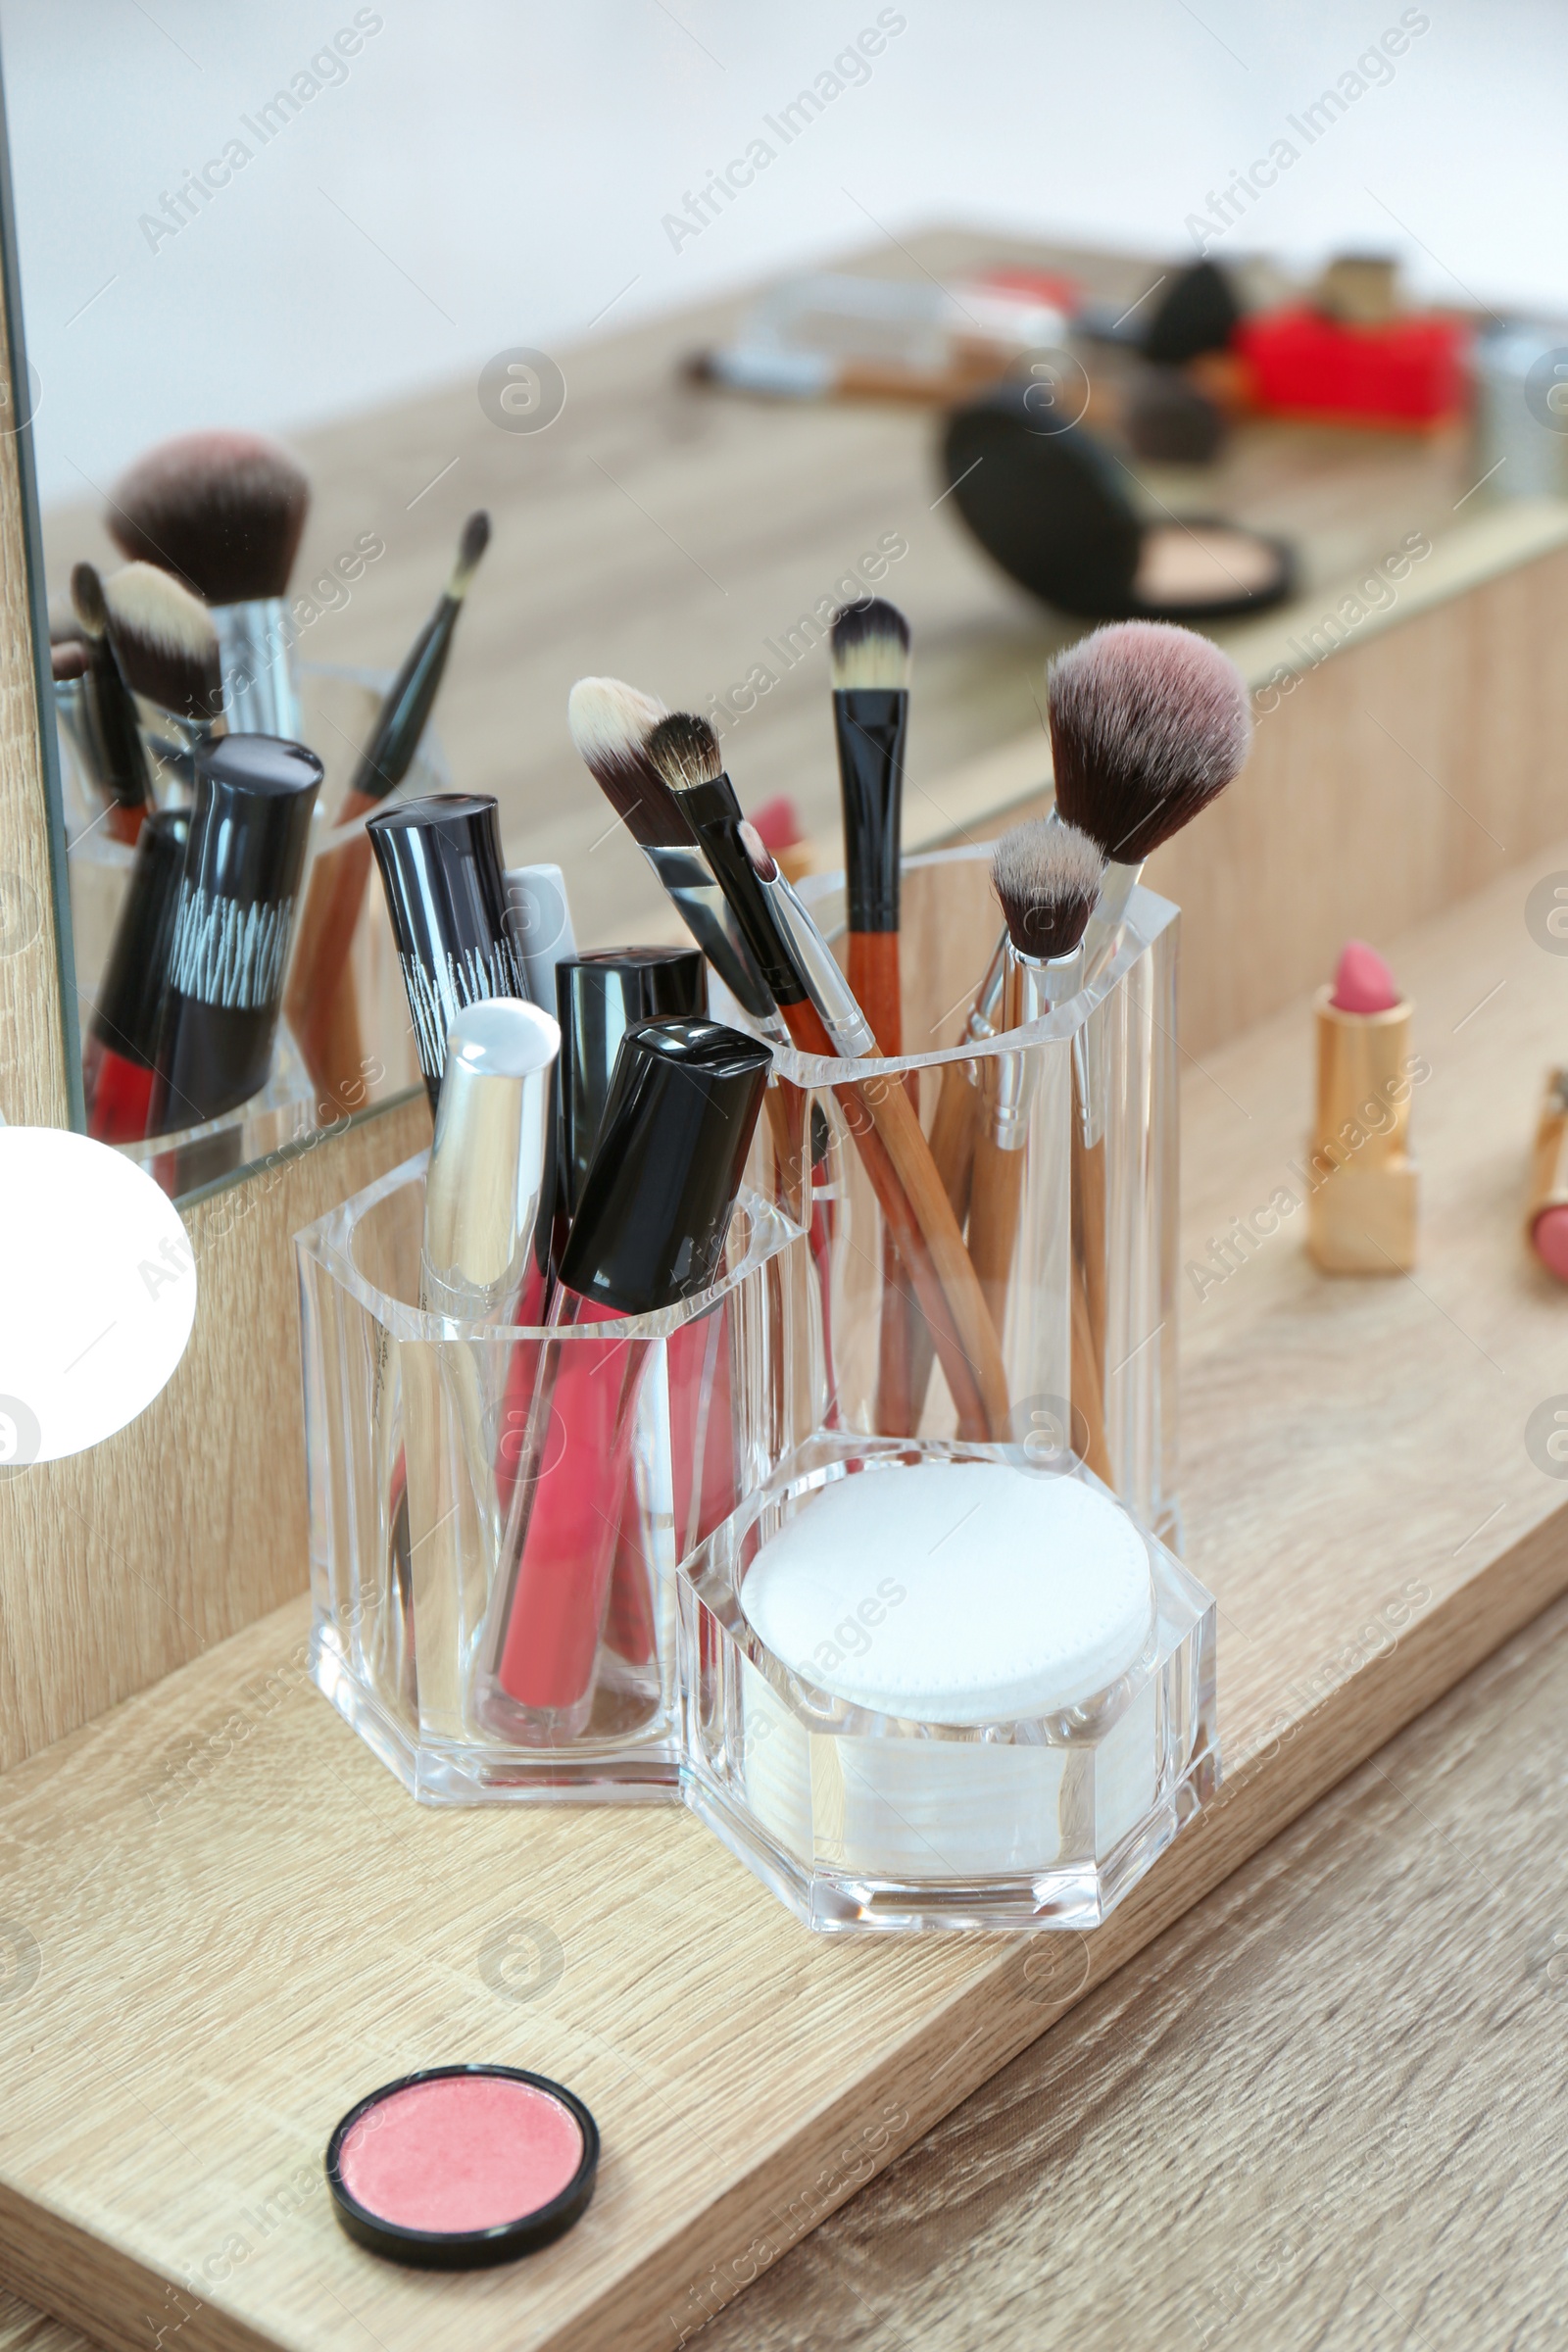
(610,724)
(1149,724)
(224,510)
(166,646)
(870,668)
(321,1010)
(870,648)
(117,751)
(822,1017)
(1047,877)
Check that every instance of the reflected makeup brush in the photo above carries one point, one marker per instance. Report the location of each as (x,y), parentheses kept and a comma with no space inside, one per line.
(122,1034)
(166,647)
(1047,877)
(1149,724)
(224,510)
(321,1012)
(822,1017)
(440,862)
(117,751)
(870,663)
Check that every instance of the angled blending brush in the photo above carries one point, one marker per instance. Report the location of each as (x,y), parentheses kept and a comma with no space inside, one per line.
(870,664)
(224,510)
(609,724)
(166,647)
(822,1017)
(117,751)
(1149,724)
(1047,877)
(321,1008)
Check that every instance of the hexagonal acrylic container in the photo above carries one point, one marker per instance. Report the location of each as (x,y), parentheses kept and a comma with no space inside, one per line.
(1029,1790)
(426,1636)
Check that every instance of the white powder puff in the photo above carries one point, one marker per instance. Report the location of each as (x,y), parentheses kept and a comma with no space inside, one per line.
(954,1593)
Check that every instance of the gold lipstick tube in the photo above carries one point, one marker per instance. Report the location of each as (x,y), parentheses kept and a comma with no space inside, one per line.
(1549,1166)
(1361,1206)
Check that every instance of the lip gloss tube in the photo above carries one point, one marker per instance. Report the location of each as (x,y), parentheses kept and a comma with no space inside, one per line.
(122,1034)
(1362,1210)
(233,925)
(649,1232)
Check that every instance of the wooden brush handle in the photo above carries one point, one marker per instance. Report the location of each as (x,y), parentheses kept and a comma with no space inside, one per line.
(1086,1395)
(874,982)
(952,1133)
(903,1139)
(880,1119)
(876,985)
(995,1200)
(319,976)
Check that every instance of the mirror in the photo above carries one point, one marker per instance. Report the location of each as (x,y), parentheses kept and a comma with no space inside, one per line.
(649,298)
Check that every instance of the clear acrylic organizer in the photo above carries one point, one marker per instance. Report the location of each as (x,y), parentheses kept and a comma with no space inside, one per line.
(427,1636)
(1088,1309)
(859,1815)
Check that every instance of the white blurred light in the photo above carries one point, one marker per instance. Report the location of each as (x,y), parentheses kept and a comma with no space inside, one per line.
(97,1293)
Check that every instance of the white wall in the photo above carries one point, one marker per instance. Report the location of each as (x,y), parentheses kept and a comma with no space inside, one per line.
(493,173)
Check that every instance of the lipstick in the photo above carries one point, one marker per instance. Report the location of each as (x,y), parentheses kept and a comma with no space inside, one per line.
(234,922)
(440,863)
(122,1034)
(649,1234)
(1362,1210)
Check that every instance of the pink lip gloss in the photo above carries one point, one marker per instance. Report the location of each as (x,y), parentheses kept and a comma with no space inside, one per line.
(650,1230)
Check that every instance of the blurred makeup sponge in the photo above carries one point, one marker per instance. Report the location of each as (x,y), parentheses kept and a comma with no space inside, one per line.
(1550,1236)
(1362,981)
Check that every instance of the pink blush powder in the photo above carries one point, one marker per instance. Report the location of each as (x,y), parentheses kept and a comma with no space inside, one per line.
(462,2152)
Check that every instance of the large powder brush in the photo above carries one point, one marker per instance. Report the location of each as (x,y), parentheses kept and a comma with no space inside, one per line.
(224,510)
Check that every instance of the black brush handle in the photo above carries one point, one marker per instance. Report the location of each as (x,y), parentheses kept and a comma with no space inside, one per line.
(870,724)
(405,713)
(122,754)
(715,817)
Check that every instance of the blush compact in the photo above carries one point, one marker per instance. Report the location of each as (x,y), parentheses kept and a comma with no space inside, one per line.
(458,2166)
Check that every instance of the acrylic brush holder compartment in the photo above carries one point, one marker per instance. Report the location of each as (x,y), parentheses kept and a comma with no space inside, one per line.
(1077,1222)
(497,1511)
(943,1687)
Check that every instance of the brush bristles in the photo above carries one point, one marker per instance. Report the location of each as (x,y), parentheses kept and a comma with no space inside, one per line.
(1148,723)
(609,724)
(870,647)
(87,599)
(164,642)
(1047,877)
(684,750)
(471,547)
(222,511)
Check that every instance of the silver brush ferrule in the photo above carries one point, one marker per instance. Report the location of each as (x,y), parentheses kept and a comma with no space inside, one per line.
(706,912)
(1031,989)
(254,642)
(852,1034)
(1102,938)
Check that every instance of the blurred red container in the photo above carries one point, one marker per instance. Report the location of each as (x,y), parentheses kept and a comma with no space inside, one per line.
(1410,373)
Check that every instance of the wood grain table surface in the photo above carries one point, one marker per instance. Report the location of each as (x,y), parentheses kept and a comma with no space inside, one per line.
(1323,2111)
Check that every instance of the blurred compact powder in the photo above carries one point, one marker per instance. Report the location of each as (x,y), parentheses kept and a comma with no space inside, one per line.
(463,2165)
